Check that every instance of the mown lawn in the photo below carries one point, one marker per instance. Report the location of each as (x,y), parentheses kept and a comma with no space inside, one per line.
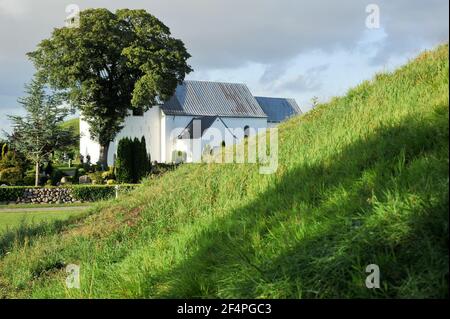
(12,220)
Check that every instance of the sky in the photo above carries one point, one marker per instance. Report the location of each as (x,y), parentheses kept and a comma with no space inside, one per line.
(282,48)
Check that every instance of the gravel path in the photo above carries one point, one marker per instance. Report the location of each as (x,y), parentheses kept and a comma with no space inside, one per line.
(42,209)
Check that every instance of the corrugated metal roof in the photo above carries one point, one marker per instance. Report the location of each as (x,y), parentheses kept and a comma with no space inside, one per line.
(278,109)
(199,98)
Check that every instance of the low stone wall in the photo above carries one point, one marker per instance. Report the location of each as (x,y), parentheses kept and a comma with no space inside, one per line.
(61,195)
(46,195)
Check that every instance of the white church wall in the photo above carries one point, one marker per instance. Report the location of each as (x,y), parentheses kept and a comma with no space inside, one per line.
(173,126)
(212,137)
(148,125)
(162,141)
(87,145)
(161,134)
(188,150)
(237,125)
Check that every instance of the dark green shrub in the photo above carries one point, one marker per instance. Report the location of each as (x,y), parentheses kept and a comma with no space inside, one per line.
(133,162)
(85,167)
(124,162)
(29,180)
(71,155)
(49,168)
(76,176)
(144,164)
(11,176)
(96,178)
(140,160)
(11,159)
(10,193)
(56,176)
(109,174)
(44,180)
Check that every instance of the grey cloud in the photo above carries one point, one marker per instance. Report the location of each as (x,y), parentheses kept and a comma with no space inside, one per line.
(301,84)
(411,25)
(274,72)
(230,33)
(5,124)
(224,34)
(308,82)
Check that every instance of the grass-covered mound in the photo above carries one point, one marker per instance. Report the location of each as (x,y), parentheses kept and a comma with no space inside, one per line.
(361,180)
(74,126)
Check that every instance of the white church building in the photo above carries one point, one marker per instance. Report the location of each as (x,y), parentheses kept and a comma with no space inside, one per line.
(200,115)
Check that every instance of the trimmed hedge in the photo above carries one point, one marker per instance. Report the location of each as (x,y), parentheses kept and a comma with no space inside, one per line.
(11,193)
(86,193)
(93,193)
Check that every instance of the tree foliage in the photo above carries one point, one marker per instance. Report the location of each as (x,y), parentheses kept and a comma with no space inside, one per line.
(4,150)
(12,165)
(10,159)
(110,64)
(39,133)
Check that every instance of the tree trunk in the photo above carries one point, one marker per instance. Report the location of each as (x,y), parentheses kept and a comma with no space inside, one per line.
(36,181)
(103,159)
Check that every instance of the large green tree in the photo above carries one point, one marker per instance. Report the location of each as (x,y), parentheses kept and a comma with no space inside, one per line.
(111,63)
(39,133)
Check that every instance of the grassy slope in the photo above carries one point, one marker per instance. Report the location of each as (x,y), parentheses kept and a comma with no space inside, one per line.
(74,126)
(362,180)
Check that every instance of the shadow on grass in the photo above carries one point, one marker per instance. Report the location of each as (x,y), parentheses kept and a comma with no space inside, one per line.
(312,234)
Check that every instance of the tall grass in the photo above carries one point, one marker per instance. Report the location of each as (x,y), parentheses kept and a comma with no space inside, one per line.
(361,180)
